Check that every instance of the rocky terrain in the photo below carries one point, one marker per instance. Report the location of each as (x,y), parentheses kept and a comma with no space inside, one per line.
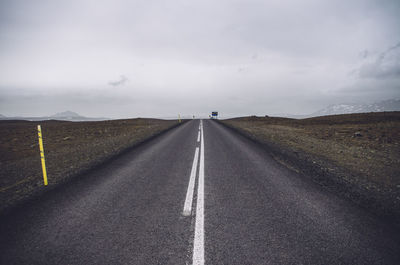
(71,148)
(357,155)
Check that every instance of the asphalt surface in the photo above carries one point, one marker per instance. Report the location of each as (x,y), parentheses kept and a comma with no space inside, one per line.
(256,211)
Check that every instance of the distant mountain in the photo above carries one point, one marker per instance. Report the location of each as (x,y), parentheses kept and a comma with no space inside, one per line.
(69,116)
(66,114)
(386,105)
(62,116)
(347,108)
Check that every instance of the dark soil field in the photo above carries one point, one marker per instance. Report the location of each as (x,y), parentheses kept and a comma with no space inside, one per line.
(357,155)
(71,148)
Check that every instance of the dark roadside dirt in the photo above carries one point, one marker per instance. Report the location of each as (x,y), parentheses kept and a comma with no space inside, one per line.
(71,148)
(354,155)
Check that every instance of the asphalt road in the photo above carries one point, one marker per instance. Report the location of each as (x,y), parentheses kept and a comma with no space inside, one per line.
(241,207)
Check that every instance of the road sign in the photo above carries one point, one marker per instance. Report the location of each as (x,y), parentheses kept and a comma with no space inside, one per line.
(214,113)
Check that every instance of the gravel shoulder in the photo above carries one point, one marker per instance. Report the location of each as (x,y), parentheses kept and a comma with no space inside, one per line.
(356,155)
(71,149)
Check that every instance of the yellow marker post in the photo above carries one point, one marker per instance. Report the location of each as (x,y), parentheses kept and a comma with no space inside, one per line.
(179,117)
(42,155)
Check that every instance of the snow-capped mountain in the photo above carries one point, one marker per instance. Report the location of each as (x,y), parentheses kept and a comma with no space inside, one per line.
(386,105)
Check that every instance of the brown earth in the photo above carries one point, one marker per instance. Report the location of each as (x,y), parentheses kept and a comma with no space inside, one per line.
(355,154)
(71,148)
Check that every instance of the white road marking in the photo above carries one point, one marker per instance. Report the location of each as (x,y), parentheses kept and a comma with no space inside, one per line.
(187,208)
(198,246)
(198,137)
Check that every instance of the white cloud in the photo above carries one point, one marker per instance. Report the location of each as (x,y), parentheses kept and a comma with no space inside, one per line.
(240,56)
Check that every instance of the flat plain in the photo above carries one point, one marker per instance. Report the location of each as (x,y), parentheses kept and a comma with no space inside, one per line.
(71,148)
(357,155)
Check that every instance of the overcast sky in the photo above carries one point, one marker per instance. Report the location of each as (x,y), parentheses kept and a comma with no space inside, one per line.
(159,58)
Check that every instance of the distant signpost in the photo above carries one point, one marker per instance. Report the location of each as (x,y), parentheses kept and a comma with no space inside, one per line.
(214,114)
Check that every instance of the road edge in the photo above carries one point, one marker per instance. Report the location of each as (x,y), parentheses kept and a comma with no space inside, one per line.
(38,193)
(331,177)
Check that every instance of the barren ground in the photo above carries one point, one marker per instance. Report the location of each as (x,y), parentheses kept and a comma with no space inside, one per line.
(358,154)
(70,149)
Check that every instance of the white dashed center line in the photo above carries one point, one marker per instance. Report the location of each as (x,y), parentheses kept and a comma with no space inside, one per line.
(198,246)
(187,209)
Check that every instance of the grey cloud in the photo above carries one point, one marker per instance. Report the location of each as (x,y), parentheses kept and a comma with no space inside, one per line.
(364,54)
(239,57)
(119,82)
(384,65)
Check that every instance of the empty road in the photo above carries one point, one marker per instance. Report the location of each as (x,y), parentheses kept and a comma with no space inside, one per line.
(198,194)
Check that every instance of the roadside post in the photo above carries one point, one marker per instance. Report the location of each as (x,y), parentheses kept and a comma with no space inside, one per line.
(42,155)
(179,118)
